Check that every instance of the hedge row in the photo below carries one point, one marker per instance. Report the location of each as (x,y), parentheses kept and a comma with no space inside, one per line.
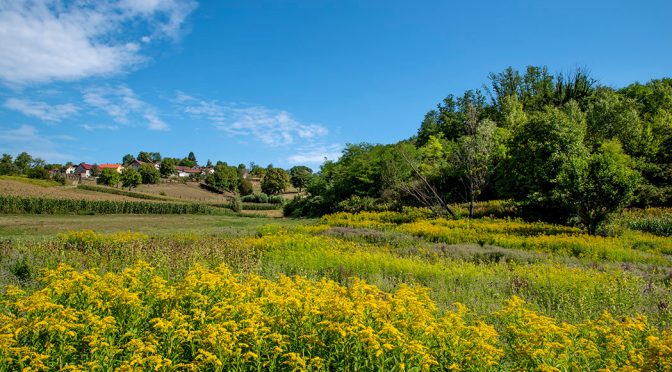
(30,205)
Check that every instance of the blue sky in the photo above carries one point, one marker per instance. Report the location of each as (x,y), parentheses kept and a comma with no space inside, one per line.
(284,82)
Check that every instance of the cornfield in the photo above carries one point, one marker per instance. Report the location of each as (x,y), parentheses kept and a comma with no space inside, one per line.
(30,205)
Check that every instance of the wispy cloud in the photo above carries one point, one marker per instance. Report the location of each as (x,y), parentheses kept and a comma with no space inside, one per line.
(269,126)
(27,138)
(92,127)
(121,102)
(42,110)
(46,40)
(316,154)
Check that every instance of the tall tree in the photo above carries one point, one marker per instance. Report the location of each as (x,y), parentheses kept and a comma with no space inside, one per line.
(474,160)
(275,181)
(7,166)
(167,167)
(130,178)
(537,151)
(127,160)
(108,177)
(299,176)
(149,174)
(22,162)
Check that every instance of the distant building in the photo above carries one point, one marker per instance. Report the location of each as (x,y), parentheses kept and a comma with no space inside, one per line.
(70,170)
(116,167)
(84,170)
(136,164)
(183,171)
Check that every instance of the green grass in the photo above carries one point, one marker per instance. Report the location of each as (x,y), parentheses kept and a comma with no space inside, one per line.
(31,181)
(28,227)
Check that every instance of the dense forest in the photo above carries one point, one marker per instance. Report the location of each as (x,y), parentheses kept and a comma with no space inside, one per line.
(562,147)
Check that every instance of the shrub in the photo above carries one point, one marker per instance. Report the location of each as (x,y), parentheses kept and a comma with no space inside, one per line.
(276,199)
(236,204)
(245,187)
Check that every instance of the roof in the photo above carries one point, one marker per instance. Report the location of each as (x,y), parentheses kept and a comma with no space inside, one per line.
(182,168)
(86,166)
(110,166)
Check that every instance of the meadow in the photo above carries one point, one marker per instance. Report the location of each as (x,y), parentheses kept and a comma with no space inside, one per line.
(366,291)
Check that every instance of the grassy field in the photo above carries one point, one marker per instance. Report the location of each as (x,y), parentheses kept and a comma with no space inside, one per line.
(368,291)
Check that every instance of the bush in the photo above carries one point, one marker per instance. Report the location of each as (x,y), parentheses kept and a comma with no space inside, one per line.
(59,177)
(245,187)
(236,204)
(312,206)
(38,173)
(276,199)
(356,204)
(257,198)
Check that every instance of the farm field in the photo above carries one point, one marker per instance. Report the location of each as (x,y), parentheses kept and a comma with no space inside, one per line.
(362,291)
(18,188)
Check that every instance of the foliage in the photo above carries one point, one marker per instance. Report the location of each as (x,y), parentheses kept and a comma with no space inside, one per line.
(236,204)
(149,174)
(244,186)
(167,167)
(256,198)
(127,160)
(7,167)
(299,176)
(225,178)
(38,173)
(108,177)
(275,181)
(538,150)
(22,162)
(599,185)
(130,178)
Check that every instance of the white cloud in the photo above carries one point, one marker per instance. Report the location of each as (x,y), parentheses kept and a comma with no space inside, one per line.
(121,102)
(45,40)
(27,138)
(316,154)
(271,127)
(42,110)
(92,127)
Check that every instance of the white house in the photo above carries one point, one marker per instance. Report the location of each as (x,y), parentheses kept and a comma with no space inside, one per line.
(183,171)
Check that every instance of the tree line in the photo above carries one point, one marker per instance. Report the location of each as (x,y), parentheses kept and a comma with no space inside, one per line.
(564,147)
(223,178)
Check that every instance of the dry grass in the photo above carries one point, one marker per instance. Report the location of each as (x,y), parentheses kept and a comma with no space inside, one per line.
(189,191)
(275,213)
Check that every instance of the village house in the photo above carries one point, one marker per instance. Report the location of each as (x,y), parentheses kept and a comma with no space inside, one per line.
(70,169)
(207,170)
(136,164)
(183,171)
(84,170)
(116,167)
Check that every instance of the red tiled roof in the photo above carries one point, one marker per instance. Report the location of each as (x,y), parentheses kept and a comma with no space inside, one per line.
(110,166)
(86,166)
(184,169)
